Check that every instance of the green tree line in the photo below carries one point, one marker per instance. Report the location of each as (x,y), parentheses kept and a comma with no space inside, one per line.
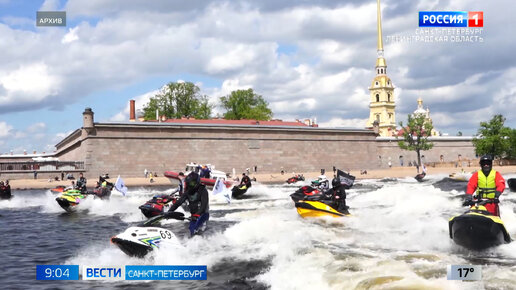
(176,100)
(494,138)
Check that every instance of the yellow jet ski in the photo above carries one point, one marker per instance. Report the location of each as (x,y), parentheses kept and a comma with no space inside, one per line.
(308,208)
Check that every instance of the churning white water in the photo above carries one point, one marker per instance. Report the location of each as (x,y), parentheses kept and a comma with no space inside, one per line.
(396,238)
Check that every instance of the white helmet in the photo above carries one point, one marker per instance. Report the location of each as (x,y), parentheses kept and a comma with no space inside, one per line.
(322,178)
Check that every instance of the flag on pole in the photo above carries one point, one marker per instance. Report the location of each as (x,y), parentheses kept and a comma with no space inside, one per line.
(120,185)
(219,187)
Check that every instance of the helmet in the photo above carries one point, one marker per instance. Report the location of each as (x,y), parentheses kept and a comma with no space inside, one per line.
(192,181)
(322,178)
(104,184)
(335,182)
(486,160)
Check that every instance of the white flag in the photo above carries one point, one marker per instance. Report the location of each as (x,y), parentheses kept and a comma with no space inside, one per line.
(218,187)
(120,185)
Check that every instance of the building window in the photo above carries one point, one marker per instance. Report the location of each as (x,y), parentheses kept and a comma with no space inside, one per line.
(388,97)
(376,83)
(378,118)
(377,97)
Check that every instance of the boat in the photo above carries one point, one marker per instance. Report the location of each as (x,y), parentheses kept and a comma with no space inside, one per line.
(478,229)
(320,208)
(296,178)
(511,182)
(70,199)
(193,167)
(138,241)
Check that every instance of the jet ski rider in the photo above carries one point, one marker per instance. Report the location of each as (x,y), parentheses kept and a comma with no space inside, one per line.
(198,199)
(245,180)
(81,183)
(488,184)
(337,194)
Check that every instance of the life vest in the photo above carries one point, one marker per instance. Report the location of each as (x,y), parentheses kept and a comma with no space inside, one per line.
(486,184)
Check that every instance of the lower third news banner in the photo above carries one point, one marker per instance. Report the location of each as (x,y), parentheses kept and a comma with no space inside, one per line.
(133,272)
(144,272)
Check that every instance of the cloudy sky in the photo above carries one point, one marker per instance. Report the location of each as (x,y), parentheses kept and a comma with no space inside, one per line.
(308,59)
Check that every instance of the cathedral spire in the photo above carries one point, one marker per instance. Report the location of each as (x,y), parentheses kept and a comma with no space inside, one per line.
(380,61)
(382,104)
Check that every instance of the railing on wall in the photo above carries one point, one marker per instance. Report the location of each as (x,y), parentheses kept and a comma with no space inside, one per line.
(47,166)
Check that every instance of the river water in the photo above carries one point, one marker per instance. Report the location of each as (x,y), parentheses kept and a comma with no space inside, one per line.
(396,238)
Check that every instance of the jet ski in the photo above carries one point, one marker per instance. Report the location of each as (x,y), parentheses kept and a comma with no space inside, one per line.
(478,229)
(305,192)
(70,199)
(318,208)
(511,182)
(58,189)
(138,241)
(296,178)
(158,205)
(239,190)
(420,177)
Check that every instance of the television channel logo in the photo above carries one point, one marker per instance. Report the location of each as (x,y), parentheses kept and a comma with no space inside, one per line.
(451,19)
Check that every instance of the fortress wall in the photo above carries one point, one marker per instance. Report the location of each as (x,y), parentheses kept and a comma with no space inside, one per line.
(128,150)
(449,147)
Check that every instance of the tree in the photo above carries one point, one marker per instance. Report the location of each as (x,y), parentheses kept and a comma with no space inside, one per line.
(245,104)
(512,145)
(415,135)
(176,100)
(493,138)
(459,133)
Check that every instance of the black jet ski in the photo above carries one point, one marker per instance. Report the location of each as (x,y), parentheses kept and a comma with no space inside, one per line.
(512,184)
(296,178)
(420,177)
(239,190)
(158,204)
(305,192)
(478,229)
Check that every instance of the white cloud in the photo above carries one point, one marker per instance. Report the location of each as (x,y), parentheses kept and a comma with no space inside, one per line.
(5,129)
(349,123)
(306,60)
(71,36)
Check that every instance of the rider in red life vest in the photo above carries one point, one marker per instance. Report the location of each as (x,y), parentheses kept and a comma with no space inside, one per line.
(488,183)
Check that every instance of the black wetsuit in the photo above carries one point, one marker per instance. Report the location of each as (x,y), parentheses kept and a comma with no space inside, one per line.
(198,201)
(246,180)
(5,192)
(338,198)
(81,184)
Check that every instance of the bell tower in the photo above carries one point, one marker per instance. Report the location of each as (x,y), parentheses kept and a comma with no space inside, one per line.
(382,105)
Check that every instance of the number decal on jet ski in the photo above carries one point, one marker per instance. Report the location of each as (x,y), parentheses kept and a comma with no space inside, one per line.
(165,234)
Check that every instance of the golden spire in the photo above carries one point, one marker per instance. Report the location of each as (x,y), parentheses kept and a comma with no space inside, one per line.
(379,22)
(380,61)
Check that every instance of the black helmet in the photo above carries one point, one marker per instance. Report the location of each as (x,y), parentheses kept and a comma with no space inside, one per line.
(335,182)
(486,160)
(192,181)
